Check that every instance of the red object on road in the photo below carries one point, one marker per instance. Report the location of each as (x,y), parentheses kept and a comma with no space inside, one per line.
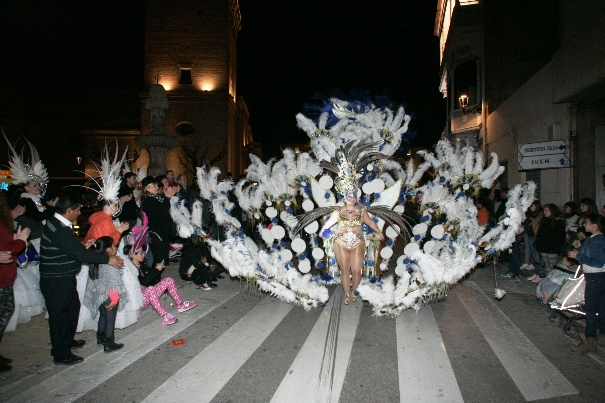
(178,342)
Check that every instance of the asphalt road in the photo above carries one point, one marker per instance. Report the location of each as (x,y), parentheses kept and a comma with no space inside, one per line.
(253,348)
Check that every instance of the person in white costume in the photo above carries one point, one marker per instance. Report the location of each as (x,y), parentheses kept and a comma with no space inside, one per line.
(32,175)
(109,184)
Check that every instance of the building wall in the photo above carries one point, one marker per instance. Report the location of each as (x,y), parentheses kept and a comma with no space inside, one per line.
(588,118)
(579,64)
(520,38)
(201,36)
(208,112)
(525,117)
(189,32)
(544,74)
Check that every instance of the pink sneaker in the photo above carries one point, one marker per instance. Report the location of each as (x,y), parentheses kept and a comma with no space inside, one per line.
(186,305)
(169,319)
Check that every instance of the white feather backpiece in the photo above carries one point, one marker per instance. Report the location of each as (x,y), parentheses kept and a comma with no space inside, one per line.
(109,179)
(437,257)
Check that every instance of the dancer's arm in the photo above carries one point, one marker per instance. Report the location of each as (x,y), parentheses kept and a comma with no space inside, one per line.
(370,223)
(331,221)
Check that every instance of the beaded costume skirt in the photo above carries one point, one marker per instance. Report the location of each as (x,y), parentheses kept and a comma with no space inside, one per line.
(349,239)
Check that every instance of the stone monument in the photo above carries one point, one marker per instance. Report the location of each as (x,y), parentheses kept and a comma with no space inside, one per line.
(157,143)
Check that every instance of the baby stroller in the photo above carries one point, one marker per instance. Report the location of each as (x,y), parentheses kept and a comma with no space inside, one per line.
(568,304)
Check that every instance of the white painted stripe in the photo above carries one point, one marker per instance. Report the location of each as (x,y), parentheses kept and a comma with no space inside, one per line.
(75,381)
(211,369)
(419,342)
(535,376)
(318,372)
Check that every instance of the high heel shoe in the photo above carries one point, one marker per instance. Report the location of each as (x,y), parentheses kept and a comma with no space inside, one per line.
(347,299)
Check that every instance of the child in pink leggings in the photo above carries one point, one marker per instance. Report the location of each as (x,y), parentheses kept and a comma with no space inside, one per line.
(152,286)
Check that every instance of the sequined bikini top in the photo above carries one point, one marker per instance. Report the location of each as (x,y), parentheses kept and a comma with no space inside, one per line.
(354,223)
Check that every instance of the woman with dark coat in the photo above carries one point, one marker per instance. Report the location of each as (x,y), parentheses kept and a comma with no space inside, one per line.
(550,239)
(14,244)
(161,227)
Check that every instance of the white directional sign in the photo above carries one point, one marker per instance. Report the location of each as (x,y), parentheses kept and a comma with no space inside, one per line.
(543,148)
(543,155)
(544,162)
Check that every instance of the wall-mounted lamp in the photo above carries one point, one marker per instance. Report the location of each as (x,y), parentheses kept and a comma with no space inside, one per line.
(79,160)
(463,100)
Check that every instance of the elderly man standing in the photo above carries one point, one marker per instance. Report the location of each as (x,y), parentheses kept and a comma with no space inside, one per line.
(61,258)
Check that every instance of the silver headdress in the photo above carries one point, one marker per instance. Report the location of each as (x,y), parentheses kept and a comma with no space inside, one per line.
(22,172)
(349,161)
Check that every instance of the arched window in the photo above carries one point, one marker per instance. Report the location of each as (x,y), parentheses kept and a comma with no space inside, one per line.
(184,129)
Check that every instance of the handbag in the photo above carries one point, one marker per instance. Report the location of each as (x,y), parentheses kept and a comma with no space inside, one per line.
(30,254)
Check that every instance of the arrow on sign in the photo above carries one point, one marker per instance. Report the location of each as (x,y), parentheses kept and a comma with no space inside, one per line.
(543,148)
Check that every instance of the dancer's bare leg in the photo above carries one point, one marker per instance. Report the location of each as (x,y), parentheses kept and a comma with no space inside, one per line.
(344,262)
(356,262)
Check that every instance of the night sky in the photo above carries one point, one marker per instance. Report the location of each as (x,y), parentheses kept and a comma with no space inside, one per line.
(288,51)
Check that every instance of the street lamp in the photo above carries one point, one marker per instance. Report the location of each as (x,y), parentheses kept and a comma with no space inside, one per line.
(463,100)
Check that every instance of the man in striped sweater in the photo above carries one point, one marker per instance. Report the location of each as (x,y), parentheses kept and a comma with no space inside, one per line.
(61,257)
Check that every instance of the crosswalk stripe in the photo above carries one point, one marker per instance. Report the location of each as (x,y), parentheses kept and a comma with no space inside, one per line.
(77,380)
(419,342)
(218,362)
(535,376)
(326,352)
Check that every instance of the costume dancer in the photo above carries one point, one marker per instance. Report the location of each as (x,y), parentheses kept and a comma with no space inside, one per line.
(34,179)
(102,225)
(348,239)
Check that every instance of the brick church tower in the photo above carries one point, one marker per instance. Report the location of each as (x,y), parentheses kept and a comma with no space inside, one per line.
(191,50)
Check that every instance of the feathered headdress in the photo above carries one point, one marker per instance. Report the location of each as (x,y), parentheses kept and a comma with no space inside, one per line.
(22,172)
(349,161)
(139,236)
(141,171)
(109,179)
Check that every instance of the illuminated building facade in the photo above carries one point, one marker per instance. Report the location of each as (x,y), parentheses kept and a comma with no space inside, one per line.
(191,50)
(521,72)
